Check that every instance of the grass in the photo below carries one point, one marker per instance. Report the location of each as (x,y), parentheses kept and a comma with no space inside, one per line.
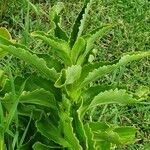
(131,33)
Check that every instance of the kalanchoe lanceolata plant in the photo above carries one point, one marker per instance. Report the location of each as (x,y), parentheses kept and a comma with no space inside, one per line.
(50,105)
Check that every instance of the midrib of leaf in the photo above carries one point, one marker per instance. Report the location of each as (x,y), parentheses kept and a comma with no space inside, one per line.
(33,60)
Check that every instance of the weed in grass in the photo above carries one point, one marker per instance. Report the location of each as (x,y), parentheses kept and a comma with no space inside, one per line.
(60,96)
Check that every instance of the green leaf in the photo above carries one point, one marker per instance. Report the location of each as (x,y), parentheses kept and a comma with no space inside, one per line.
(3,79)
(55,21)
(126,134)
(107,134)
(101,71)
(90,39)
(5,33)
(131,56)
(51,61)
(112,97)
(41,146)
(103,145)
(114,138)
(89,67)
(60,47)
(89,94)
(60,33)
(97,73)
(67,129)
(98,126)
(55,10)
(97,129)
(37,97)
(26,110)
(5,39)
(87,4)
(78,25)
(77,49)
(90,137)
(79,128)
(5,42)
(69,76)
(33,60)
(46,128)
(66,124)
(96,34)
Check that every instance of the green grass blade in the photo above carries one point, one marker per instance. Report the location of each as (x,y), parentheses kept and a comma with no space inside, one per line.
(25,132)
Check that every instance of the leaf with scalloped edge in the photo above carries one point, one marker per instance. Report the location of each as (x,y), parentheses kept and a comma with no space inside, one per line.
(49,130)
(97,73)
(6,39)
(78,127)
(77,49)
(78,25)
(90,137)
(68,76)
(88,4)
(101,71)
(66,123)
(33,60)
(126,134)
(90,39)
(60,47)
(39,97)
(102,132)
(55,21)
(89,94)
(51,61)
(112,97)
